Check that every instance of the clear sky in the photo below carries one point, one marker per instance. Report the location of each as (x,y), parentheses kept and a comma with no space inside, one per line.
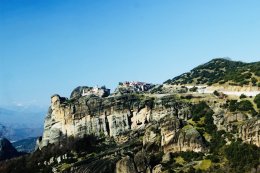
(53,46)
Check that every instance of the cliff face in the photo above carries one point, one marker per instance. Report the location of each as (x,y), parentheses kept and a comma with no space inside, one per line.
(114,116)
(118,115)
(142,132)
(239,124)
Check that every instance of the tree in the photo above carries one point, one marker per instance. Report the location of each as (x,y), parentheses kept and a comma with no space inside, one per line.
(253,80)
(233,105)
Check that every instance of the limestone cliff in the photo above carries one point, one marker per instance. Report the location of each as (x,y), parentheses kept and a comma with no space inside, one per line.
(240,124)
(143,131)
(113,116)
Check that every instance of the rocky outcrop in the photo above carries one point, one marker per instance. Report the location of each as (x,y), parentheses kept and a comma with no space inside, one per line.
(249,131)
(152,137)
(176,138)
(239,124)
(147,129)
(125,165)
(140,161)
(157,169)
(7,151)
(109,116)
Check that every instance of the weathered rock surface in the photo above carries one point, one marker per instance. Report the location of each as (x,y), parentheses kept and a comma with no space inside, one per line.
(110,116)
(142,130)
(140,161)
(157,169)
(177,138)
(238,123)
(125,165)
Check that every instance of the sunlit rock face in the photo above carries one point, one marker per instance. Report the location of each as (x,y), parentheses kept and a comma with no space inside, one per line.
(162,118)
(125,165)
(176,138)
(109,116)
(239,124)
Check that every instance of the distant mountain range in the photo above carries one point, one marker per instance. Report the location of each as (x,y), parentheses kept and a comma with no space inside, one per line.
(17,116)
(25,145)
(18,123)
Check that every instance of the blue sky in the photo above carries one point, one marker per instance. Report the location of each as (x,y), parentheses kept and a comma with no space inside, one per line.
(53,46)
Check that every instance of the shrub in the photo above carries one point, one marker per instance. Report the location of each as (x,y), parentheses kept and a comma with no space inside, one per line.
(216,93)
(242,96)
(245,105)
(194,89)
(257,100)
(188,155)
(187,97)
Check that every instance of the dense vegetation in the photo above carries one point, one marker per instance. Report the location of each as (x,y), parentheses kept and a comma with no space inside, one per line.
(257,100)
(242,106)
(242,156)
(221,71)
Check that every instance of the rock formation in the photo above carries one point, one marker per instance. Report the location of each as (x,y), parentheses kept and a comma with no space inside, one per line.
(7,151)
(146,128)
(111,116)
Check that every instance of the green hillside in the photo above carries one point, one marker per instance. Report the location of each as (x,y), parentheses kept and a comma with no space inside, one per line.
(221,71)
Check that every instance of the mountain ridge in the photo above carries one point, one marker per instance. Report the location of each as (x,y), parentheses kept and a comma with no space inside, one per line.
(221,71)
(142,129)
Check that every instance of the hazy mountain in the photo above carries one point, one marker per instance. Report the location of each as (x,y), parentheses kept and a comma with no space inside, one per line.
(18,116)
(18,123)
(25,145)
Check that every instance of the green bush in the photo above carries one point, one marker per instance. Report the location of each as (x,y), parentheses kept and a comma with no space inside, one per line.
(242,96)
(216,93)
(188,155)
(257,100)
(193,89)
(245,105)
